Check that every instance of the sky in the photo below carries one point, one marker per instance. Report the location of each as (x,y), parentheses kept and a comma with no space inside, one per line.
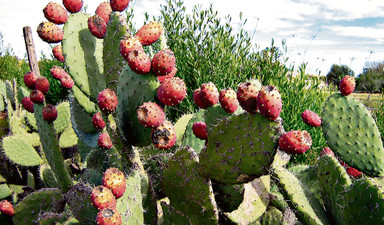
(317,32)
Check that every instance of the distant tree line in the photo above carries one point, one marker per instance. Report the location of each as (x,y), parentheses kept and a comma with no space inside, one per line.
(370,80)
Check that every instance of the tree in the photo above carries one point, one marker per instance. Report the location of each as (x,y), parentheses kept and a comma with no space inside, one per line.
(372,78)
(337,72)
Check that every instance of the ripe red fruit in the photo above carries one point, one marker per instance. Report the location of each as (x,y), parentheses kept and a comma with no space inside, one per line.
(42,84)
(247,95)
(98,121)
(172,91)
(354,172)
(30,80)
(107,101)
(149,33)
(73,6)
(164,136)
(269,102)
(209,93)
(129,44)
(115,180)
(57,72)
(198,99)
(119,5)
(49,113)
(108,216)
(104,141)
(104,11)
(163,62)
(200,130)
(67,81)
(57,52)
(327,151)
(150,114)
(6,208)
(347,85)
(228,100)
(97,26)
(55,13)
(139,62)
(171,74)
(27,104)
(311,118)
(37,97)
(295,142)
(102,197)
(50,32)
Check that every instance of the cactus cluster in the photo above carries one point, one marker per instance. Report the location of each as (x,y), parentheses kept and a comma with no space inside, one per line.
(111,156)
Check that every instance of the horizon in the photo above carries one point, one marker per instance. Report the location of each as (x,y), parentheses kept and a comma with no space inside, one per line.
(319,33)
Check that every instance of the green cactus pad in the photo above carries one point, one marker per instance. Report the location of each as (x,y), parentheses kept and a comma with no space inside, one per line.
(83,55)
(49,218)
(5,191)
(351,132)
(82,119)
(91,177)
(68,138)
(173,216)
(189,139)
(214,114)
(155,167)
(63,117)
(10,91)
(256,200)
(130,98)
(97,159)
(20,151)
(278,201)
(272,216)
(51,149)
(181,126)
(21,93)
(44,200)
(306,206)
(30,120)
(113,61)
(308,177)
(281,158)
(80,204)
(190,193)
(231,196)
(48,177)
(240,148)
(130,205)
(333,181)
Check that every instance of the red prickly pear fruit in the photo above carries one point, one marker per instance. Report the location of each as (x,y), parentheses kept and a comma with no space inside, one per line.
(198,99)
(164,136)
(209,93)
(200,130)
(347,85)
(57,72)
(37,97)
(139,62)
(49,113)
(97,26)
(228,100)
(163,62)
(50,32)
(27,104)
(30,80)
(269,102)
(327,151)
(104,141)
(42,84)
(354,172)
(98,121)
(108,216)
(343,164)
(295,142)
(171,74)
(104,10)
(247,93)
(102,197)
(172,91)
(119,5)
(55,13)
(6,208)
(73,6)
(57,52)
(107,101)
(149,33)
(129,44)
(67,81)
(115,180)
(311,118)
(150,114)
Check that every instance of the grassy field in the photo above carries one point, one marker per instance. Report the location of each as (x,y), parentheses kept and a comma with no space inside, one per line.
(370,100)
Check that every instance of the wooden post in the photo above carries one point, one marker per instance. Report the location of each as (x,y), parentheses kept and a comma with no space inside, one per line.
(33,63)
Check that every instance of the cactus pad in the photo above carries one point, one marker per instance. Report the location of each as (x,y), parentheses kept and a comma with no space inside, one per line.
(352,134)
(20,151)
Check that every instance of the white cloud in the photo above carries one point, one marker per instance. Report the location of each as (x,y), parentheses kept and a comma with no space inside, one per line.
(376,33)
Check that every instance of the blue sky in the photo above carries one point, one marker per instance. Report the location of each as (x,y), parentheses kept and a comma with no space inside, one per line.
(319,32)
